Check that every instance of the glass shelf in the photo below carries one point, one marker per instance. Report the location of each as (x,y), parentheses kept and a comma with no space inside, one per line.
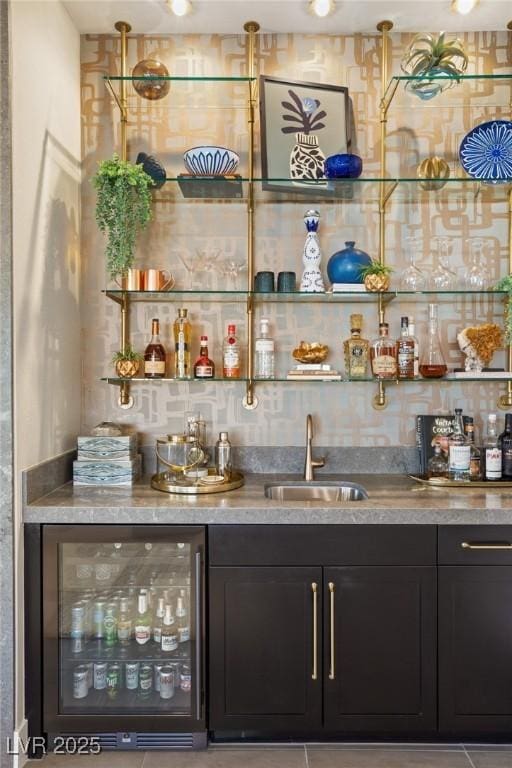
(283,380)
(173,295)
(472,91)
(139,379)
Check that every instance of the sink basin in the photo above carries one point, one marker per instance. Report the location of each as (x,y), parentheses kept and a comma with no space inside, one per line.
(318,491)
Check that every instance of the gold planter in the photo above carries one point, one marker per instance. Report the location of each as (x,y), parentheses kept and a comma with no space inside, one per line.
(377,283)
(127,369)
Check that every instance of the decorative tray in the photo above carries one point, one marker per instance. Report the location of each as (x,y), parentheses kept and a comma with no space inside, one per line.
(444,482)
(167,482)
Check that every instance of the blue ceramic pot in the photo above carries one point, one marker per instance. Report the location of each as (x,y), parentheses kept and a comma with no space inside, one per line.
(343,167)
(345,266)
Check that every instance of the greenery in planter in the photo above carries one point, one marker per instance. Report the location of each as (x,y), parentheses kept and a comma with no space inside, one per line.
(128,353)
(123,209)
(505,284)
(430,56)
(376,268)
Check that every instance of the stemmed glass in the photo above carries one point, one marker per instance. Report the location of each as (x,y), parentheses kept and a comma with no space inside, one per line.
(202,261)
(231,269)
(413,279)
(442,277)
(476,278)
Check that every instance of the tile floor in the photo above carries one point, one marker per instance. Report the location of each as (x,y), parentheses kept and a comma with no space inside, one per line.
(301,756)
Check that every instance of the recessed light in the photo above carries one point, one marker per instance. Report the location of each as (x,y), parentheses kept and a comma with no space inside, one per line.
(321,7)
(463,6)
(180,7)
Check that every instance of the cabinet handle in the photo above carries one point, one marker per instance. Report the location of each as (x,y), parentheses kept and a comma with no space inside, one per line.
(314,589)
(331,597)
(199,630)
(488,545)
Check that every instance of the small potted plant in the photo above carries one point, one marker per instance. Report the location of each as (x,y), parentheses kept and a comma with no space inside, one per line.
(127,362)
(505,284)
(430,57)
(123,209)
(376,277)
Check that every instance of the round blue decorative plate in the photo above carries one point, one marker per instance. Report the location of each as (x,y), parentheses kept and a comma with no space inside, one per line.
(486,151)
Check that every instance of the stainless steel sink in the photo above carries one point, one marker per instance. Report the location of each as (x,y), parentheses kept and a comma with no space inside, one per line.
(316,491)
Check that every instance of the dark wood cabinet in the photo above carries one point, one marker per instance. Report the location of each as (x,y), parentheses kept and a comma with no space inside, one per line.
(379,647)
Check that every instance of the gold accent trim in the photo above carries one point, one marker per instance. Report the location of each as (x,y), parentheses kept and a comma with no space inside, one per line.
(332,670)
(314,589)
(379,401)
(385,26)
(490,545)
(123,27)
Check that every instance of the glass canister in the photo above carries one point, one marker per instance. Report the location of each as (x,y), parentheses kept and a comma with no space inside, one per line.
(179,453)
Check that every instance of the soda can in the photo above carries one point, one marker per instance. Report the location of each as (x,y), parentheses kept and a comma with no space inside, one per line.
(166,683)
(98,616)
(131,675)
(145,680)
(77,627)
(157,667)
(90,673)
(80,686)
(110,624)
(185,678)
(100,675)
(113,680)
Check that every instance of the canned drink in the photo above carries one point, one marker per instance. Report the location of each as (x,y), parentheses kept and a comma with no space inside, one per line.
(98,616)
(110,624)
(145,680)
(185,678)
(113,680)
(90,673)
(157,668)
(166,683)
(80,685)
(77,627)
(131,675)
(100,675)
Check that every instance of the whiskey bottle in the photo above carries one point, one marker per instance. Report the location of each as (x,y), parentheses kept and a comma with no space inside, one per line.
(169,631)
(405,352)
(492,449)
(459,450)
(231,355)
(154,354)
(437,464)
(355,350)
(475,457)
(182,334)
(506,448)
(383,354)
(204,368)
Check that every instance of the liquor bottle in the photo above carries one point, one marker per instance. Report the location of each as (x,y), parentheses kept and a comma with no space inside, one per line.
(475,461)
(383,354)
(182,621)
(124,624)
(142,621)
(265,352)
(231,355)
(412,335)
(432,364)
(405,352)
(355,350)
(492,450)
(159,620)
(459,450)
(204,368)
(506,448)
(182,334)
(169,631)
(437,464)
(154,354)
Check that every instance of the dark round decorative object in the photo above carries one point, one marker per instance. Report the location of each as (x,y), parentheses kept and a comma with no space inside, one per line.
(151,88)
(343,166)
(345,266)
(153,168)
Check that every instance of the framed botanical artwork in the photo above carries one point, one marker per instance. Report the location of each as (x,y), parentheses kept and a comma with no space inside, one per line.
(301,125)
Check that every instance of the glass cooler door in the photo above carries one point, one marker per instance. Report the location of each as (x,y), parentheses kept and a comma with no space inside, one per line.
(123,623)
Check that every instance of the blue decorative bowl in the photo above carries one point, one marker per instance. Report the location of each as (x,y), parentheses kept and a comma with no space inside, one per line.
(210,161)
(486,151)
(345,266)
(343,167)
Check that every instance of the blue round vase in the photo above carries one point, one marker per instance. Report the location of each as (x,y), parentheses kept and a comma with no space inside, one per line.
(345,266)
(343,166)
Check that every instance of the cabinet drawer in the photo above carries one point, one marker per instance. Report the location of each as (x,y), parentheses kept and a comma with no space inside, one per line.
(475,545)
(289,545)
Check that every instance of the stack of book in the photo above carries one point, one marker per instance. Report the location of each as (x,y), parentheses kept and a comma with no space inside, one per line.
(107,460)
(313,372)
(349,288)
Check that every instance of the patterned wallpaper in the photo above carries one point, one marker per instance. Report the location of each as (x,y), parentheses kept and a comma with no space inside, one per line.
(194,114)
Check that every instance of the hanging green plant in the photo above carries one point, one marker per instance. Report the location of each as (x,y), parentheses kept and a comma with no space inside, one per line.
(123,209)
(505,284)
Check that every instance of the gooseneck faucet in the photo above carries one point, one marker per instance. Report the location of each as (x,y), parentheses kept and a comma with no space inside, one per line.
(310,464)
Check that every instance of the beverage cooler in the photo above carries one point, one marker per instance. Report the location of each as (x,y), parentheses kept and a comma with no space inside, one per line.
(115,637)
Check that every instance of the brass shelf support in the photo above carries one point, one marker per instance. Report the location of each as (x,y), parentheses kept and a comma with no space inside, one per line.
(505,401)
(123,27)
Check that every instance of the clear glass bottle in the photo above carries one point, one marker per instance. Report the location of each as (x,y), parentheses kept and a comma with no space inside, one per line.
(432,363)
(124,623)
(437,464)
(459,451)
(383,354)
(506,448)
(182,621)
(475,461)
(159,620)
(231,355)
(169,631)
(405,352)
(204,368)
(355,350)
(264,348)
(142,621)
(412,335)
(223,456)
(154,354)
(492,447)
(182,334)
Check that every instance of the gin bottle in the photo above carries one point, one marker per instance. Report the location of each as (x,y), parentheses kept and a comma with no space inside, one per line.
(492,447)
(459,451)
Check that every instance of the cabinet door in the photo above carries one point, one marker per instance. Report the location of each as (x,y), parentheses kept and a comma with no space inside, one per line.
(475,649)
(379,640)
(262,648)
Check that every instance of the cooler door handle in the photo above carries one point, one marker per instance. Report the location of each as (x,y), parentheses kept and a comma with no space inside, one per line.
(198,648)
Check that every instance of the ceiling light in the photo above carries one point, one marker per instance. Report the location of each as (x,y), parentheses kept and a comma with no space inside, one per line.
(463,6)
(321,7)
(180,7)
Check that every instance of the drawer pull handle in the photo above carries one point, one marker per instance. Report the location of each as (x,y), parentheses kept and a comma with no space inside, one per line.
(488,545)
(331,596)
(314,589)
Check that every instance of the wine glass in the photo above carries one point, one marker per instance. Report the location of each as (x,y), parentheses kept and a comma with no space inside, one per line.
(476,278)
(413,279)
(190,265)
(231,269)
(442,277)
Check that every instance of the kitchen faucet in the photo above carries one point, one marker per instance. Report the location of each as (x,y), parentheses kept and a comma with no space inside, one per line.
(310,463)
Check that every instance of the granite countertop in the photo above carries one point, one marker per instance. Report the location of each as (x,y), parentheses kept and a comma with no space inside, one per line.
(392,499)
